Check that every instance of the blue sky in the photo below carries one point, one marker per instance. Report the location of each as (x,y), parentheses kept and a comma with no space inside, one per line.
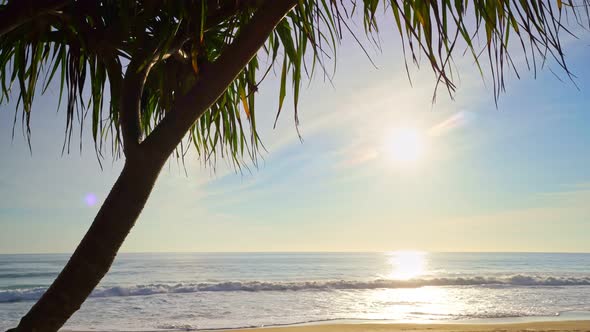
(511,178)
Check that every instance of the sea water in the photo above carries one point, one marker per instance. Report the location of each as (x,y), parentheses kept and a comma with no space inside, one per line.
(229,290)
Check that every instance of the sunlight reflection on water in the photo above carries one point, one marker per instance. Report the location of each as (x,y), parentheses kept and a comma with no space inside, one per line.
(416,304)
(407,264)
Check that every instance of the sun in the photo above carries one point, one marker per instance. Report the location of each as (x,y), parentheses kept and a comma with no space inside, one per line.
(405,145)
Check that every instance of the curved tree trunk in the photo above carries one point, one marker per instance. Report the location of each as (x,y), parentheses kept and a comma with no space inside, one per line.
(97,250)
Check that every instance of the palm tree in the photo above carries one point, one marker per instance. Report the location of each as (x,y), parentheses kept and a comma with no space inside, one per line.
(185,73)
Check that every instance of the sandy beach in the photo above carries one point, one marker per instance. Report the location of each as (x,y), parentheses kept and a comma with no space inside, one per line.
(569,326)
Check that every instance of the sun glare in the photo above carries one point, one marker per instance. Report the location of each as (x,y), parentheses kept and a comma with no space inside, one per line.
(405,145)
(407,264)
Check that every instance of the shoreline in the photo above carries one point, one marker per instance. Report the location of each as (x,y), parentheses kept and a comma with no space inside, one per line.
(491,325)
(547,326)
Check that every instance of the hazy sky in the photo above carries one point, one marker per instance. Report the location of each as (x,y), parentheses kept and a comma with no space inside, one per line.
(473,177)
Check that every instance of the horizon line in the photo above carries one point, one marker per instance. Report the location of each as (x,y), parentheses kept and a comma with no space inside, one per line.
(314,252)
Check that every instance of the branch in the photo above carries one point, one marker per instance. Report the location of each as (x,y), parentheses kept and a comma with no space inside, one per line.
(20,12)
(215,78)
(130,104)
(132,90)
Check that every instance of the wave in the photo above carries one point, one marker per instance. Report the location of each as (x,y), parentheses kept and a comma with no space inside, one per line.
(15,275)
(29,294)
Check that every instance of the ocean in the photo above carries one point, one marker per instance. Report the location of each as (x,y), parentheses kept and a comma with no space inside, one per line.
(187,291)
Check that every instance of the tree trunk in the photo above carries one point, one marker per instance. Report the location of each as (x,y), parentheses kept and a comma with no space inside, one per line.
(95,254)
(97,250)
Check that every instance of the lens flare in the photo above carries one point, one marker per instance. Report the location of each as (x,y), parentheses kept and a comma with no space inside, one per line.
(90,199)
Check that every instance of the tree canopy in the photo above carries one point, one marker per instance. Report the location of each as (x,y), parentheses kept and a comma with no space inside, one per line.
(158,50)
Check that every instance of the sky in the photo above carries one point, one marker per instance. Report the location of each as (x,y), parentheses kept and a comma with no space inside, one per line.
(380,168)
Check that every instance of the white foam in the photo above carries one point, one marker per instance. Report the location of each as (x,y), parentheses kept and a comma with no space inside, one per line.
(29,294)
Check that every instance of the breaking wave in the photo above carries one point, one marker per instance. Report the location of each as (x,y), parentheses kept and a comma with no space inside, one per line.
(30,294)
